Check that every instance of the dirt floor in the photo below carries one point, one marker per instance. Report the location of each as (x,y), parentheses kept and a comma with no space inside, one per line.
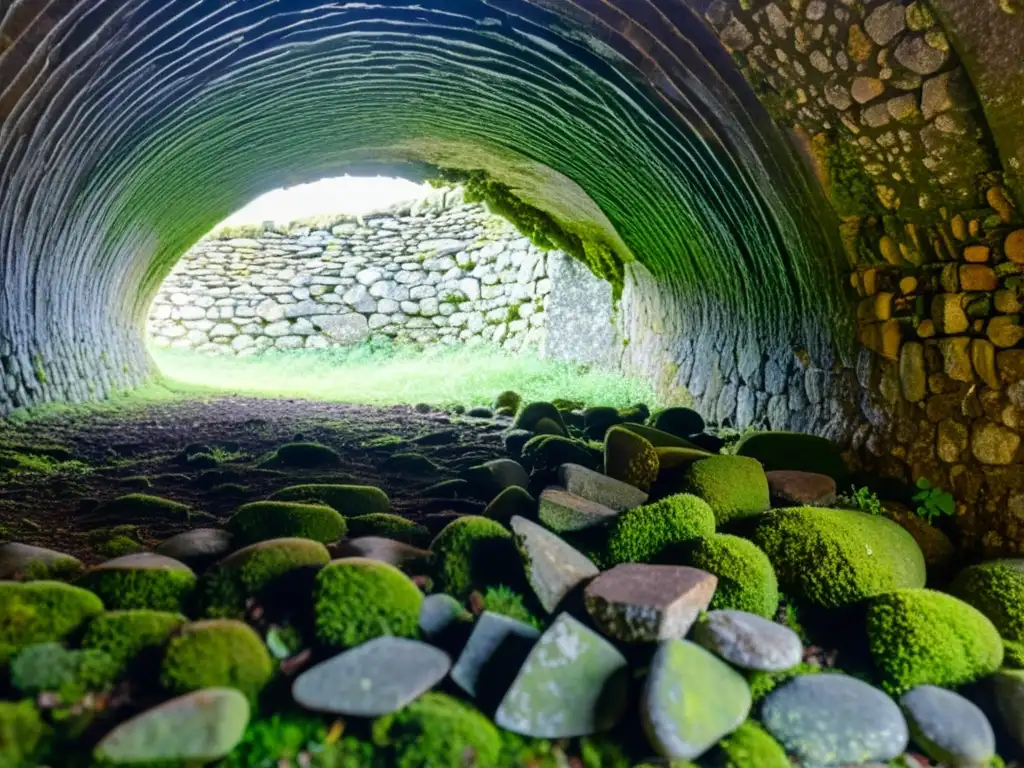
(141,450)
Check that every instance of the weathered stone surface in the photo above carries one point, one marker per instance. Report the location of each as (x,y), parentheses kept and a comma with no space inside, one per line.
(835,720)
(749,641)
(498,645)
(691,700)
(27,562)
(994,444)
(562,511)
(142,561)
(913,375)
(573,683)
(638,603)
(374,679)
(951,729)
(919,57)
(600,488)
(885,22)
(553,568)
(396,553)
(792,488)
(439,612)
(1008,690)
(197,544)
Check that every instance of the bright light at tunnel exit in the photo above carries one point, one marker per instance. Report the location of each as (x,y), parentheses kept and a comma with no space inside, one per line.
(354,195)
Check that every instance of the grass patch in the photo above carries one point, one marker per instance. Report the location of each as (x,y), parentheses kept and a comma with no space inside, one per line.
(394,374)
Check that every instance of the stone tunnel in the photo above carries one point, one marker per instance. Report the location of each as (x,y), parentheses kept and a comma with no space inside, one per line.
(808,209)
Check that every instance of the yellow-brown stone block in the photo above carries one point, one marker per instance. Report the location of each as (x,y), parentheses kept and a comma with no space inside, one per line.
(978,277)
(983,357)
(956,359)
(908,285)
(959,227)
(890,250)
(1005,331)
(948,313)
(1013,247)
(977,254)
(925,329)
(1000,204)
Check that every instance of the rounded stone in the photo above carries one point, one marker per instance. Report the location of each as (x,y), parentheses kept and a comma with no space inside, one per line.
(27,562)
(749,641)
(197,544)
(951,729)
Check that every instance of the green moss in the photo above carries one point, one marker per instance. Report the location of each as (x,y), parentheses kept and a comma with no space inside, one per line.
(531,413)
(474,553)
(124,635)
(1013,654)
(641,534)
(287,739)
(995,588)
(348,500)
(630,458)
(265,520)
(509,603)
(850,188)
(796,451)
(141,588)
(142,508)
(216,653)
(65,568)
(835,557)
(223,589)
(390,527)
(21,731)
(763,683)
(437,731)
(750,746)
(39,611)
(410,463)
(919,636)
(304,456)
(547,452)
(357,599)
(735,487)
(603,751)
(746,579)
(116,546)
(50,667)
(508,399)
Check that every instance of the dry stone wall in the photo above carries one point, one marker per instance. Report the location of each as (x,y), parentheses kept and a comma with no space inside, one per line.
(445,273)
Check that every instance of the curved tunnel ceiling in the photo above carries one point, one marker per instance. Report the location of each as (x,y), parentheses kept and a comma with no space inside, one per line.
(130,127)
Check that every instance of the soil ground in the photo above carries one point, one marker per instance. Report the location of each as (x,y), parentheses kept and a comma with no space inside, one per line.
(140,450)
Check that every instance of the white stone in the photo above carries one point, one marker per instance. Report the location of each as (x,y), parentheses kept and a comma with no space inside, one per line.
(369,276)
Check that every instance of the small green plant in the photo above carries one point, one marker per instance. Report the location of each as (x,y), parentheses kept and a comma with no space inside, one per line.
(863,499)
(933,502)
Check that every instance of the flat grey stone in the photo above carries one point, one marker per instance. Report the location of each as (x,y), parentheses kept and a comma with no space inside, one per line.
(948,727)
(553,568)
(562,511)
(22,560)
(573,683)
(600,488)
(373,679)
(832,719)
(749,641)
(638,603)
(439,612)
(200,543)
(142,561)
(498,644)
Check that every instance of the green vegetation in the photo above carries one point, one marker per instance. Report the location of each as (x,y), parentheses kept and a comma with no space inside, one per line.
(750,746)
(52,668)
(142,507)
(356,600)
(995,588)
(746,579)
(349,500)
(437,731)
(835,557)
(294,739)
(734,486)
(509,603)
(304,456)
(919,636)
(641,534)
(216,653)
(933,502)
(796,451)
(124,635)
(763,683)
(40,611)
(390,527)
(265,520)
(863,499)
(530,415)
(474,553)
(21,730)
(158,589)
(630,458)
(27,462)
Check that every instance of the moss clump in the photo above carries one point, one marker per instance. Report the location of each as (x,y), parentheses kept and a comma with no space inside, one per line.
(746,579)
(40,611)
(1013,654)
(213,654)
(118,546)
(224,589)
(474,553)
(530,414)
(750,746)
(124,635)
(919,637)
(348,500)
(548,452)
(50,667)
(437,731)
(508,399)
(281,738)
(141,508)
(835,557)
(641,534)
(265,520)
(128,588)
(390,527)
(735,487)
(511,502)
(995,588)
(410,463)
(679,421)
(509,603)
(357,599)
(630,458)
(763,683)
(304,456)
(796,451)
(21,731)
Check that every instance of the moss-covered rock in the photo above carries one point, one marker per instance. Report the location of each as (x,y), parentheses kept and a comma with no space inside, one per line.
(348,500)
(794,450)
(746,579)
(438,731)
(411,464)
(388,526)
(679,421)
(919,636)
(510,603)
(40,611)
(125,635)
(835,557)
(657,438)
(219,653)
(50,667)
(995,588)
(265,520)
(508,399)
(223,589)
(735,487)
(637,413)
(356,599)
(509,503)
(474,553)
(531,414)
(21,731)
(641,534)
(304,456)
(544,453)
(749,746)
(24,562)
(139,581)
(141,508)
(630,458)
